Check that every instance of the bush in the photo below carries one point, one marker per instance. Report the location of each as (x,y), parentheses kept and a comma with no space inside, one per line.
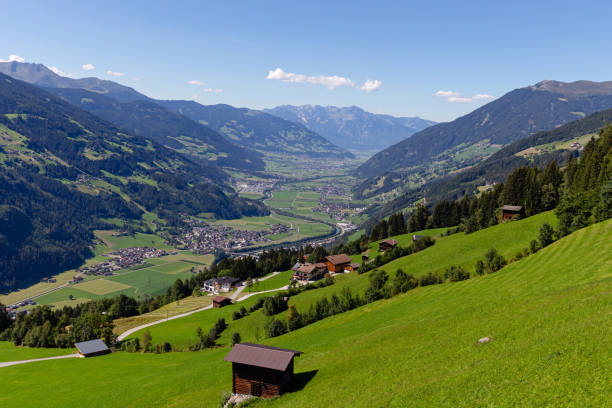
(456,273)
(534,246)
(167,347)
(480,267)
(236,338)
(402,282)
(275,327)
(274,304)
(546,235)
(494,261)
(429,279)
(257,305)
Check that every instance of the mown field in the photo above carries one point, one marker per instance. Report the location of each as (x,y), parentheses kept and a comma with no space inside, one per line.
(10,352)
(549,316)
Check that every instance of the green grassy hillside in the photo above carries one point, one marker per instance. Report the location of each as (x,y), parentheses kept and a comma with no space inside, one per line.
(549,316)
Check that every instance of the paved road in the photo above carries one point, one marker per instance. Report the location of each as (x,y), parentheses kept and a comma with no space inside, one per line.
(232,296)
(11,363)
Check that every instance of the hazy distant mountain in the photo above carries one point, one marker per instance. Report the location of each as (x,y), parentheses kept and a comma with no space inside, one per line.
(258,130)
(40,75)
(352,127)
(515,115)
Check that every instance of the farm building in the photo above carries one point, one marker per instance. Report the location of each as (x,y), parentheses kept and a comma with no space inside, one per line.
(337,263)
(385,244)
(308,271)
(415,238)
(510,211)
(352,267)
(220,301)
(92,348)
(261,371)
(217,285)
(365,258)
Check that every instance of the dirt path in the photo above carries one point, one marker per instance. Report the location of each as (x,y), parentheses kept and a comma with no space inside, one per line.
(232,296)
(11,363)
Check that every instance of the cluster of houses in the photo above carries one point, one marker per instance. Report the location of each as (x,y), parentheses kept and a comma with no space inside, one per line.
(48,280)
(253,186)
(218,285)
(307,271)
(576,146)
(205,238)
(12,310)
(124,258)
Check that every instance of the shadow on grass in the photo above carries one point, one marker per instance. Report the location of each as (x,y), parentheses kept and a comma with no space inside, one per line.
(300,380)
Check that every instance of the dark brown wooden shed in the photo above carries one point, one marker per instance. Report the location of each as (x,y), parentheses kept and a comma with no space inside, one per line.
(510,211)
(385,244)
(220,301)
(261,371)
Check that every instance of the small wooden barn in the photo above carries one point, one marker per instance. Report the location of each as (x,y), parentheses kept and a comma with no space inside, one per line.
(352,267)
(510,211)
(385,244)
(220,301)
(261,371)
(92,348)
(337,263)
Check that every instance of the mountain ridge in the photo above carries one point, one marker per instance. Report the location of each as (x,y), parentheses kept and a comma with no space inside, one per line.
(352,127)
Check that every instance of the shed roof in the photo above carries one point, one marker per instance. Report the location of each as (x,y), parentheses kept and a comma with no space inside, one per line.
(516,208)
(355,265)
(339,259)
(91,346)
(219,299)
(261,356)
(389,241)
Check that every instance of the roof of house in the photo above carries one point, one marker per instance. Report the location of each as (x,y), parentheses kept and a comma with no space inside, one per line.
(296,266)
(227,279)
(512,208)
(309,268)
(91,346)
(261,356)
(389,241)
(338,259)
(219,299)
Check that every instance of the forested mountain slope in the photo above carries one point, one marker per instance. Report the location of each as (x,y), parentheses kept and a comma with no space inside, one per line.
(352,127)
(514,116)
(258,130)
(64,171)
(496,168)
(149,119)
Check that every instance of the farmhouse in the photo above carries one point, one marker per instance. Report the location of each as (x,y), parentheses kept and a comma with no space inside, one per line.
(352,267)
(220,301)
(261,371)
(385,244)
(337,263)
(510,211)
(308,271)
(92,348)
(222,284)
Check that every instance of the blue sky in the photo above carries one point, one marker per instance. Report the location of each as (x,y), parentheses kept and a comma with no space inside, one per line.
(326,51)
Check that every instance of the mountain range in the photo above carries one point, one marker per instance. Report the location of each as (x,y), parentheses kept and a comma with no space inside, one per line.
(228,136)
(351,127)
(258,130)
(516,115)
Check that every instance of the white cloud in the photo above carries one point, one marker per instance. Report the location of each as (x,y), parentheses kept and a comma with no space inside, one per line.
(195,82)
(12,58)
(455,97)
(59,72)
(113,73)
(88,67)
(371,86)
(211,90)
(331,82)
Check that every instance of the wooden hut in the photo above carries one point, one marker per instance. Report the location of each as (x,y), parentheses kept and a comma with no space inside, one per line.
(92,348)
(352,267)
(220,301)
(385,244)
(261,371)
(337,263)
(510,211)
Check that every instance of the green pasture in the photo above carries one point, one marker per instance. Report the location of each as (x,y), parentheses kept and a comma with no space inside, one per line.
(548,315)
(10,352)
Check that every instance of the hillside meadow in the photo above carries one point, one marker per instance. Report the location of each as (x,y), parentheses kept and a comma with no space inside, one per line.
(416,349)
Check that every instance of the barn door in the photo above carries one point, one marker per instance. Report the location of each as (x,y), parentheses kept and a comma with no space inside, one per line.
(256,389)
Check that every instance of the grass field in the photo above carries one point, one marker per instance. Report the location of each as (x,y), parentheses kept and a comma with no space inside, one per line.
(278,281)
(10,352)
(549,316)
